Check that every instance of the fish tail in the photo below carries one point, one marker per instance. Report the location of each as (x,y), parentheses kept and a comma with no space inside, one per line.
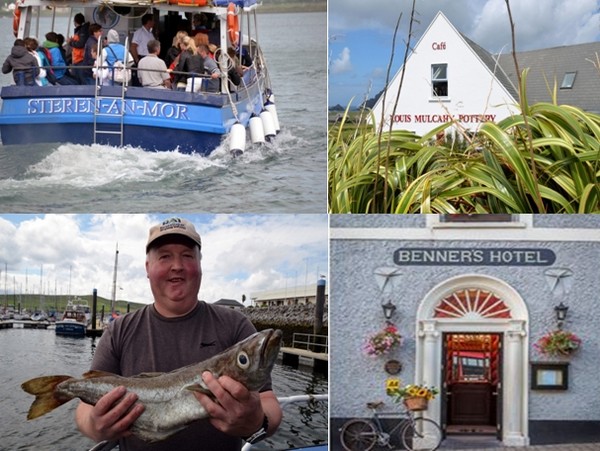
(45,398)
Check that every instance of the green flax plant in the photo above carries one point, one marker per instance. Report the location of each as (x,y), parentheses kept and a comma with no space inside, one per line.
(500,170)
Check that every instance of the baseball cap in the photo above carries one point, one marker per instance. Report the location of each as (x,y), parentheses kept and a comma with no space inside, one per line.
(173,227)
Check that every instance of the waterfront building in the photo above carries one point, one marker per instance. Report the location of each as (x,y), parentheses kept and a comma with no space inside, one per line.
(475,299)
(298,295)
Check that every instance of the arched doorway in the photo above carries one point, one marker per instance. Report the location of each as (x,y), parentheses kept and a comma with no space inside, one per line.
(477,306)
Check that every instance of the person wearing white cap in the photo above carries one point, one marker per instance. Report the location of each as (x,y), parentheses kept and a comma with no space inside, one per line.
(175,331)
(114,51)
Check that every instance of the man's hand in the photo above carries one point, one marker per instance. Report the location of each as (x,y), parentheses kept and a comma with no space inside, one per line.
(111,417)
(236,411)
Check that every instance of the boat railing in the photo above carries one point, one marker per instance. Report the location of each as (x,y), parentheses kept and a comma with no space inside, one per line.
(310,342)
(249,75)
(287,400)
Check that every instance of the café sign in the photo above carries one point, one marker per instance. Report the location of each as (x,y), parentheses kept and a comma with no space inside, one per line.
(474,257)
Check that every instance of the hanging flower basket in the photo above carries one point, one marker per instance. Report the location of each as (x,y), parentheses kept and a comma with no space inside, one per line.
(558,343)
(416,403)
(382,342)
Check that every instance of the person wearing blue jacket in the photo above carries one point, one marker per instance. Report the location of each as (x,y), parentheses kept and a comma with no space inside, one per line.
(58,61)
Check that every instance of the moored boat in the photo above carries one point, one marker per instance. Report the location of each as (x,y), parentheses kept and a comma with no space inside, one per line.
(74,321)
(153,119)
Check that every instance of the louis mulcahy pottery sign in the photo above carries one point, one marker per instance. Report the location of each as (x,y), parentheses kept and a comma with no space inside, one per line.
(474,256)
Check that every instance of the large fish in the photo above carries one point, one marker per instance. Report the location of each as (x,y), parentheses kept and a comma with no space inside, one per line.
(167,397)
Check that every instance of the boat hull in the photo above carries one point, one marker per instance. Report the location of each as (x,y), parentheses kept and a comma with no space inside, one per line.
(155,120)
(70,328)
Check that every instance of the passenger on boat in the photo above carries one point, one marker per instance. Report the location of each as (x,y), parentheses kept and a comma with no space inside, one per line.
(139,42)
(210,68)
(201,39)
(89,59)
(152,71)
(24,65)
(172,56)
(32,46)
(235,70)
(58,60)
(199,23)
(190,62)
(77,46)
(114,51)
(177,330)
(100,70)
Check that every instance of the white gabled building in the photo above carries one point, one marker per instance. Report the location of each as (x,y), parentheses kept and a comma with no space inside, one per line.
(447,77)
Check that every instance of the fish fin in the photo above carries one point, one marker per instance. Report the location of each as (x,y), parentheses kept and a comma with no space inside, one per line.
(96,373)
(200,389)
(43,390)
(143,375)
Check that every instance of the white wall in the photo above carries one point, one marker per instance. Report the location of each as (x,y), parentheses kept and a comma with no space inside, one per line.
(472,88)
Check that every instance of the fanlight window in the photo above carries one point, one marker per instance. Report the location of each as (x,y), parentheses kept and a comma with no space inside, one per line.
(472,304)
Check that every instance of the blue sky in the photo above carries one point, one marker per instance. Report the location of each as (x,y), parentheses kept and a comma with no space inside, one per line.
(360,34)
(241,254)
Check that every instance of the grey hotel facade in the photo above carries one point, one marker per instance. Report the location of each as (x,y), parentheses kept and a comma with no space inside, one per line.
(473,298)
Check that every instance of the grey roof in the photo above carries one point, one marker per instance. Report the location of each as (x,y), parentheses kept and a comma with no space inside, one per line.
(229,303)
(552,64)
(494,66)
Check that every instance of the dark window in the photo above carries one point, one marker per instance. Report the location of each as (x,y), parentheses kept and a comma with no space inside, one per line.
(477,218)
(568,80)
(439,80)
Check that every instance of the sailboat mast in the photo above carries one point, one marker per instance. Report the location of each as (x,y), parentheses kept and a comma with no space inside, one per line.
(114,288)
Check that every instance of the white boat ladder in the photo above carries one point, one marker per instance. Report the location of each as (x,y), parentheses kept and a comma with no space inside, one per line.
(115,104)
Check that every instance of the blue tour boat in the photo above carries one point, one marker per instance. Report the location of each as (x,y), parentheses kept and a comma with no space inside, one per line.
(153,119)
(74,321)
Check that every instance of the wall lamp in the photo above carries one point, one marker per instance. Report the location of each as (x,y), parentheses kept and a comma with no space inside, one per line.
(388,309)
(561,313)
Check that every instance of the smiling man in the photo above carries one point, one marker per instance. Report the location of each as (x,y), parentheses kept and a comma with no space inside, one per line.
(175,331)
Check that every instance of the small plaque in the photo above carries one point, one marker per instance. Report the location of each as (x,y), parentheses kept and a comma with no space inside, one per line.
(549,376)
(393,367)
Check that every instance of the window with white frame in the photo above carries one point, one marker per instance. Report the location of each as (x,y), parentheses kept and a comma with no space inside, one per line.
(439,80)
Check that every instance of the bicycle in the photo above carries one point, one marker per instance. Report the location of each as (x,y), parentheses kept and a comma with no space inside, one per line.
(416,433)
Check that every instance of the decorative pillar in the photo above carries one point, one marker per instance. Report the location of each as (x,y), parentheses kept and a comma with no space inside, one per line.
(514,387)
(430,365)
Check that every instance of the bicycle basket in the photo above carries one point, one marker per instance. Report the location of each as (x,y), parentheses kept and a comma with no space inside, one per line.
(416,403)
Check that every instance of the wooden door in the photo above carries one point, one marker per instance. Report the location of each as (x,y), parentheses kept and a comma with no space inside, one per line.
(471,381)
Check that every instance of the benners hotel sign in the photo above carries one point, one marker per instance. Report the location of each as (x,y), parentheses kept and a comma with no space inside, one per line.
(474,257)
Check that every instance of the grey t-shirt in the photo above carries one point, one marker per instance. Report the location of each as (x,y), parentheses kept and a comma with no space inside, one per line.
(144,341)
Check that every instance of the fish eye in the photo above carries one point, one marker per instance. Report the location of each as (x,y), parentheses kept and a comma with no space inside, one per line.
(243,360)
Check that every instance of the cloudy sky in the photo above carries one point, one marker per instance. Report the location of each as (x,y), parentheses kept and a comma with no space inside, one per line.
(361,32)
(241,254)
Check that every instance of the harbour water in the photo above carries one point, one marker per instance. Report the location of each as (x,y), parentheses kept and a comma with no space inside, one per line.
(285,176)
(30,353)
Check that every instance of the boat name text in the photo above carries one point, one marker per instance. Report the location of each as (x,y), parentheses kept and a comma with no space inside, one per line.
(474,256)
(86,106)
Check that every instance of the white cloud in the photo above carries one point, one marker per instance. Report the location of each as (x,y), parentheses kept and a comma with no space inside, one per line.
(342,63)
(241,253)
(538,24)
